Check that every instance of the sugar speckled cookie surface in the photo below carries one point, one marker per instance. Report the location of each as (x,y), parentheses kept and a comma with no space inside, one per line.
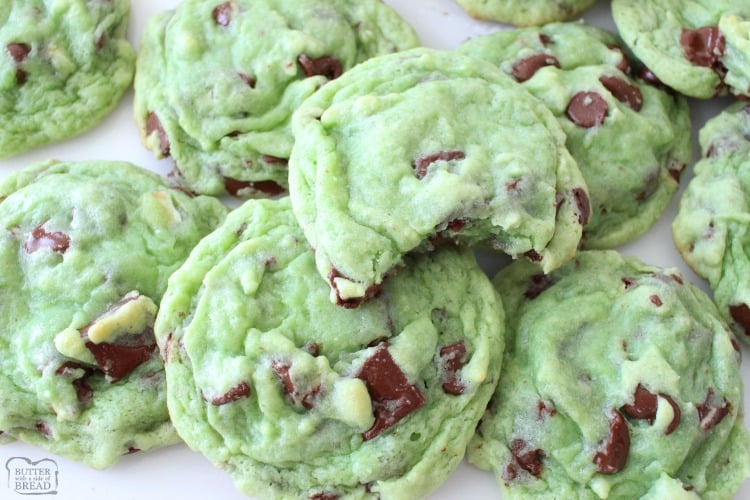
(525,12)
(64,64)
(698,47)
(217,81)
(631,140)
(297,398)
(413,150)
(711,227)
(86,249)
(620,380)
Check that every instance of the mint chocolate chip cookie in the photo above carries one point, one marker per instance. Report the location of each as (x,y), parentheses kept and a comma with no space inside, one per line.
(525,12)
(630,139)
(620,380)
(297,398)
(217,81)
(698,47)
(85,251)
(711,226)
(64,65)
(411,151)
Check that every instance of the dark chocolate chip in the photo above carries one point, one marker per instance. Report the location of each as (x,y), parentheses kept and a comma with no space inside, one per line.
(40,238)
(703,46)
(624,63)
(393,397)
(453,358)
(526,68)
(584,205)
(18,51)
(327,66)
(43,429)
(222,14)
(153,124)
(71,370)
(274,160)
(623,91)
(239,391)
(118,360)
(249,80)
(545,409)
(306,399)
(613,453)
(587,109)
(533,256)
(422,163)
(538,283)
(655,300)
(675,410)
(645,404)
(649,77)
(709,414)
(741,314)
(269,188)
(527,458)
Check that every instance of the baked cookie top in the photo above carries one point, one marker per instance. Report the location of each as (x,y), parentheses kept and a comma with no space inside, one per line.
(86,249)
(64,65)
(217,81)
(698,47)
(631,140)
(711,227)
(525,12)
(620,380)
(409,151)
(297,398)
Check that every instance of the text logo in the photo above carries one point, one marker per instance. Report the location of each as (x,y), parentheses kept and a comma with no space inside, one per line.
(32,478)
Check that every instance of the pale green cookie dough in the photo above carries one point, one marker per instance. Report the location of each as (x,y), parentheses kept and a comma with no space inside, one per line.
(86,249)
(698,47)
(64,65)
(631,141)
(217,82)
(297,398)
(620,380)
(711,226)
(409,151)
(525,12)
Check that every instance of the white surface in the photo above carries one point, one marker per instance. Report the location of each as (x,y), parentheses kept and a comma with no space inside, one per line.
(177,472)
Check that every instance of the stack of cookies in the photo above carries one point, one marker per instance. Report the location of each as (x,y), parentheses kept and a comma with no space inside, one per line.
(333,335)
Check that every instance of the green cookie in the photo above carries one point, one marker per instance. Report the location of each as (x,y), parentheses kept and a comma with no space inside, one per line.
(216,83)
(297,398)
(620,380)
(409,151)
(630,139)
(711,227)
(86,249)
(65,64)
(525,12)
(698,47)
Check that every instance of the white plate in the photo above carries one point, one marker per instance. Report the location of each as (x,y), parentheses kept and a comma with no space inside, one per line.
(177,472)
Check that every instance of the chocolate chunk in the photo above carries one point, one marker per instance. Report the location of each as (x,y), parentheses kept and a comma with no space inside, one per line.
(118,360)
(537,285)
(741,314)
(453,358)
(584,205)
(393,397)
(526,68)
(422,163)
(703,46)
(235,186)
(353,302)
(222,14)
(528,459)
(153,124)
(645,404)
(18,51)
(40,238)
(327,66)
(623,91)
(613,453)
(239,391)
(709,414)
(587,109)
(306,399)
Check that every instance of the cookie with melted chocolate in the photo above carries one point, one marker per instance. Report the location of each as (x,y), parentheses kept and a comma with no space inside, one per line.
(86,249)
(711,227)
(65,64)
(411,151)
(620,380)
(630,139)
(297,398)
(217,81)
(698,47)
(525,12)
